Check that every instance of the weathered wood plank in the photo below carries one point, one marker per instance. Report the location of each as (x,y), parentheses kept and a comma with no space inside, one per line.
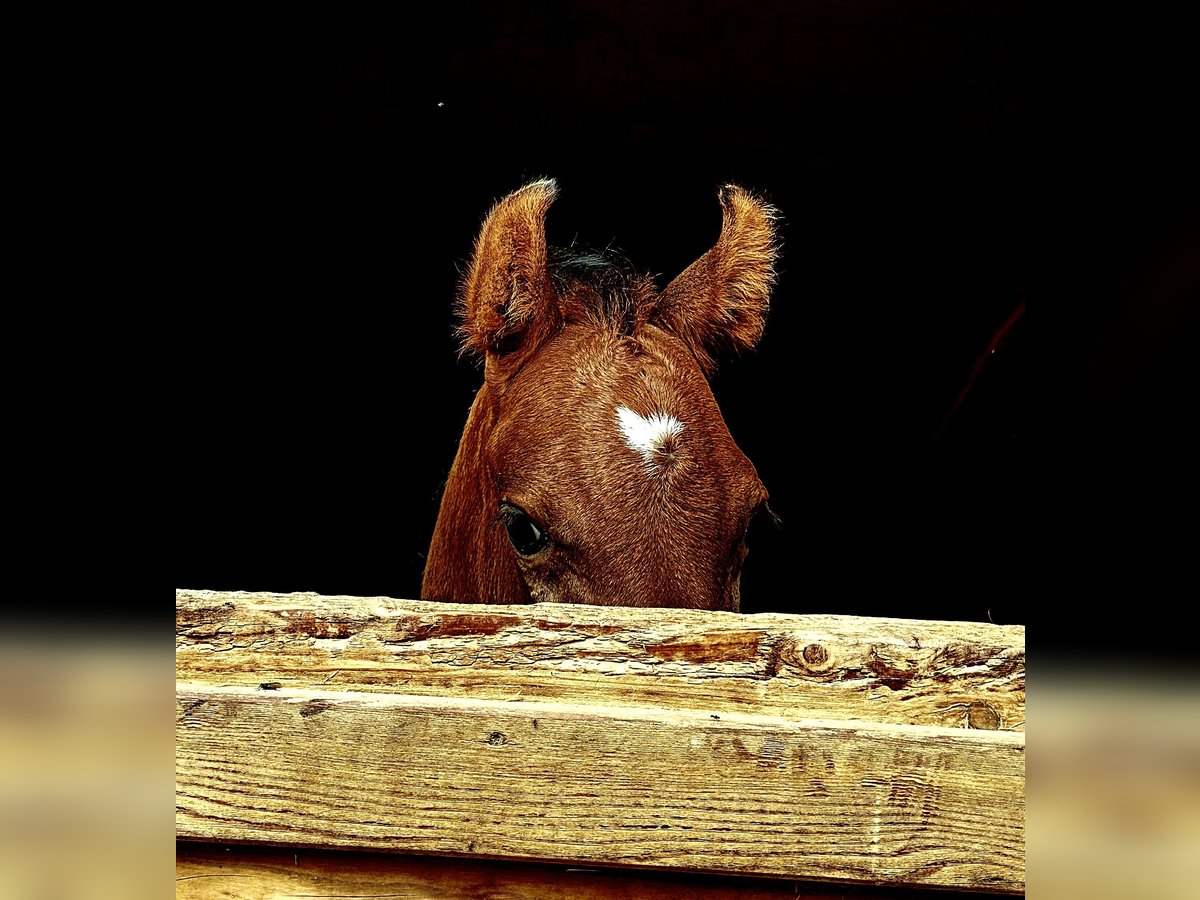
(209,872)
(741,793)
(951,674)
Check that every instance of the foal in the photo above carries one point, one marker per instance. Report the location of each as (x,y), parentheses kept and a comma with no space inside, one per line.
(595,466)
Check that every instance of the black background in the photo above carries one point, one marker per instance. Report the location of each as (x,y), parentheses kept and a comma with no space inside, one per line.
(340,180)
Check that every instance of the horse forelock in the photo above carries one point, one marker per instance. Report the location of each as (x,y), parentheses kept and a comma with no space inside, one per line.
(603,286)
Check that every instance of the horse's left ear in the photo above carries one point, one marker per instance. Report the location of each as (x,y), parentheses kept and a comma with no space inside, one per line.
(719,303)
(508,300)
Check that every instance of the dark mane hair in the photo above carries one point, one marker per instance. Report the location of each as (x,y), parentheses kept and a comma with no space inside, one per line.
(612,287)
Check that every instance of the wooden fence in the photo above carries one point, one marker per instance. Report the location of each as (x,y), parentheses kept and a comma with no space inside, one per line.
(848,750)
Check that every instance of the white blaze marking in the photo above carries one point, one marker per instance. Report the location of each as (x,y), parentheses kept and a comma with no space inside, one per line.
(647,434)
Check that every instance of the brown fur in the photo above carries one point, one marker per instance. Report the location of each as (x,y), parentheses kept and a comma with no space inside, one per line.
(719,303)
(542,434)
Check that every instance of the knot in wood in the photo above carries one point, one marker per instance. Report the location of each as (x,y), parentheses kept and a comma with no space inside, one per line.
(983,716)
(810,657)
(815,655)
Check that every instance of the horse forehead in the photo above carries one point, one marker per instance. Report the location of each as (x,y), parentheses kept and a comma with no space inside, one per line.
(652,370)
(605,402)
(584,371)
(644,388)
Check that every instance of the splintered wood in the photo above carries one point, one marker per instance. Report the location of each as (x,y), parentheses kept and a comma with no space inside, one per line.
(904,672)
(860,750)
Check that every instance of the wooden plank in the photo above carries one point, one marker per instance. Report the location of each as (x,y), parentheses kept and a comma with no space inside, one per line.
(738,793)
(951,674)
(212,872)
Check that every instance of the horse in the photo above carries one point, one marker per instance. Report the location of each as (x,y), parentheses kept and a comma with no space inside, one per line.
(595,466)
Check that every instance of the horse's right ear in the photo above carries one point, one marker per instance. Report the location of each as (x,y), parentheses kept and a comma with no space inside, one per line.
(508,301)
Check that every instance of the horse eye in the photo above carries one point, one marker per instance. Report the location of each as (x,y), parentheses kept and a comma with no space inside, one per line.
(526,536)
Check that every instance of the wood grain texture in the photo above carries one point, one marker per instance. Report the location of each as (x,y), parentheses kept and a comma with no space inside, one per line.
(949,674)
(625,786)
(213,872)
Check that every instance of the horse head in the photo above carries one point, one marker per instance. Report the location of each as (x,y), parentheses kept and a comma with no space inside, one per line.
(595,466)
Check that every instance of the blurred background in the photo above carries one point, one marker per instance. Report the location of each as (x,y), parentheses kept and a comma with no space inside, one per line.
(340,185)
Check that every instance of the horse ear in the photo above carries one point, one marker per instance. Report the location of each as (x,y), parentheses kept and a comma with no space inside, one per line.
(507,297)
(719,303)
